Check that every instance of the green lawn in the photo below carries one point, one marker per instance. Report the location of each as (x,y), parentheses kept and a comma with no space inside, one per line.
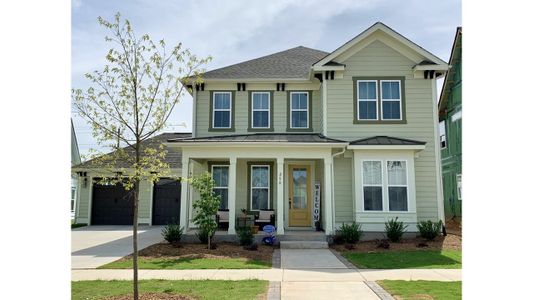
(422,259)
(437,290)
(202,289)
(189,263)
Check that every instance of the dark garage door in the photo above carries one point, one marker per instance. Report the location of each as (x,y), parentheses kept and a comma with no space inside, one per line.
(166,206)
(112,205)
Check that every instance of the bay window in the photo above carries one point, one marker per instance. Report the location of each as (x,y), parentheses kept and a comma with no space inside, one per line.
(385,185)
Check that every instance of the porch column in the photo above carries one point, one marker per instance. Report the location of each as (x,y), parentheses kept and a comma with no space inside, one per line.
(184,218)
(232,187)
(328,207)
(279,188)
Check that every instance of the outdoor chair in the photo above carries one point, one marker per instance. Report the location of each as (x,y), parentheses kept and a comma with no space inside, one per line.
(223,218)
(265,217)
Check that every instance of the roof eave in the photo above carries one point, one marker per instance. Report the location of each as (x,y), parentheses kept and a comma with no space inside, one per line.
(386,147)
(254,144)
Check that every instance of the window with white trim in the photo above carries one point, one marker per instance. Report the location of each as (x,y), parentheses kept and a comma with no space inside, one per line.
(367,100)
(259,187)
(459,178)
(372,185)
(299,110)
(220,176)
(442,134)
(222,110)
(391,100)
(397,185)
(260,110)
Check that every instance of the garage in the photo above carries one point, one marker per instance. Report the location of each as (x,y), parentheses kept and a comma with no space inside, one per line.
(166,202)
(111,205)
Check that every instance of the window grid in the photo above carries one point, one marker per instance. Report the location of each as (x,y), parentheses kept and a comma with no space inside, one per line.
(300,109)
(215,187)
(375,100)
(384,182)
(260,109)
(406,185)
(399,99)
(252,188)
(221,109)
(373,185)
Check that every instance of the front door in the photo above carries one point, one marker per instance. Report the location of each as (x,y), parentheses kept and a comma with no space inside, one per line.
(299,195)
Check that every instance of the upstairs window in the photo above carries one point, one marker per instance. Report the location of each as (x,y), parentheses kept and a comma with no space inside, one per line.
(220,176)
(299,110)
(379,100)
(260,110)
(222,110)
(367,100)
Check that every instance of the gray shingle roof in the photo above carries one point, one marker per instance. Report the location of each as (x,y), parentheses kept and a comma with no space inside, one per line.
(265,137)
(386,140)
(173,157)
(291,63)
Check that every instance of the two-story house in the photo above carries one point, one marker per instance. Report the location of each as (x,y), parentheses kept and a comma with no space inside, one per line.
(350,135)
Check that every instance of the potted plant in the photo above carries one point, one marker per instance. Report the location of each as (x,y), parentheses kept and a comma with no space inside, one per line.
(255,229)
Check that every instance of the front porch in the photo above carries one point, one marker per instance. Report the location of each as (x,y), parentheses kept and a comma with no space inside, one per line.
(293,181)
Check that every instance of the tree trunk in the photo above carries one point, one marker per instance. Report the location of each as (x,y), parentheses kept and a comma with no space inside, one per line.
(135,254)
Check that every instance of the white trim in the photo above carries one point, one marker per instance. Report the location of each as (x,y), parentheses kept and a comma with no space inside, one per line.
(262,109)
(90,208)
(194,97)
(221,109)
(386,147)
(438,165)
(299,109)
(255,144)
(328,68)
(324,106)
(152,202)
(432,67)
(389,100)
(268,187)
(363,185)
(367,100)
(445,135)
(221,187)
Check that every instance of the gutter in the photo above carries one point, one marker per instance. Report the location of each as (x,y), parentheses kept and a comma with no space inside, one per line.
(332,186)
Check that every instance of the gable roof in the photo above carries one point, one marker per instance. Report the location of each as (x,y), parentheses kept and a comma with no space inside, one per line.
(457,43)
(262,138)
(386,141)
(173,156)
(386,29)
(294,63)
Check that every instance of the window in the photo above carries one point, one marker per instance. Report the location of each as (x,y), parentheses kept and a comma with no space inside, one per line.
(221,110)
(367,101)
(397,185)
(457,116)
(459,186)
(72,197)
(299,110)
(260,187)
(220,176)
(391,101)
(372,185)
(442,133)
(260,110)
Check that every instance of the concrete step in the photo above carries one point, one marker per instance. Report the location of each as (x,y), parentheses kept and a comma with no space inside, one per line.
(303,245)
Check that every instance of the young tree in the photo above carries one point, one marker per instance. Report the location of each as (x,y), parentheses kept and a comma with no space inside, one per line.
(207,206)
(129,102)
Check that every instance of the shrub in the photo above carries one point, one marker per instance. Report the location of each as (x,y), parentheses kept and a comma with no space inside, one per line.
(382,244)
(429,230)
(245,235)
(395,230)
(172,233)
(351,233)
(203,234)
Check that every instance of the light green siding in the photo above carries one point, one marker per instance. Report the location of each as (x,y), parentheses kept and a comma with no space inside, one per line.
(344,210)
(378,59)
(242,111)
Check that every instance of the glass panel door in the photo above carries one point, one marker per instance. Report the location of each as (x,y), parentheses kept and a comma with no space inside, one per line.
(299,195)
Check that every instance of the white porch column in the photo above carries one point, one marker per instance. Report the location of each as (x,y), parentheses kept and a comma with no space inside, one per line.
(232,192)
(328,204)
(279,188)
(184,216)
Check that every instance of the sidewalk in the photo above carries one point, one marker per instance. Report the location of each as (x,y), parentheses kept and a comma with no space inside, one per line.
(281,275)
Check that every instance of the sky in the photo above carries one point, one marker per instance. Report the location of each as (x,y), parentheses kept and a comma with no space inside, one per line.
(238,30)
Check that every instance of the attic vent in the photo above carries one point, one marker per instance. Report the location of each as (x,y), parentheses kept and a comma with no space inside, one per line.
(429,74)
(241,86)
(280,87)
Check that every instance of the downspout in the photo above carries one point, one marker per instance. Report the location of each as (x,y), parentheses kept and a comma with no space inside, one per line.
(332,183)
(438,164)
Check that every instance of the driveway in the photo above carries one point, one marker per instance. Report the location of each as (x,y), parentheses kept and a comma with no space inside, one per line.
(94,246)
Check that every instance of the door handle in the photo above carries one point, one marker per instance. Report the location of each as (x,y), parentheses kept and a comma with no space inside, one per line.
(290,203)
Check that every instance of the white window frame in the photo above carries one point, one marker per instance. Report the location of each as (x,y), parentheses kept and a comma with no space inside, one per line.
(443,134)
(299,109)
(363,185)
(367,100)
(220,187)
(252,187)
(221,109)
(390,100)
(406,185)
(459,183)
(261,109)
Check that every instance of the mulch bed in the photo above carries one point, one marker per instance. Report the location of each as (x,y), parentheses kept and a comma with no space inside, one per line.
(449,242)
(223,250)
(152,296)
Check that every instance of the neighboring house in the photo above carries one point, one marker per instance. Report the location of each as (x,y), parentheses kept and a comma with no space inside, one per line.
(450,117)
(101,204)
(75,159)
(357,126)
